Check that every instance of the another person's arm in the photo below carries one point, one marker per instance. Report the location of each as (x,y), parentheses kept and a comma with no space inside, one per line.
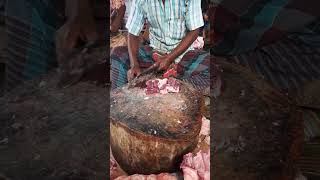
(80,26)
(134,25)
(116,22)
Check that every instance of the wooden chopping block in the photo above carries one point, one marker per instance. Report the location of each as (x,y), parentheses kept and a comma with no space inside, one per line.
(150,134)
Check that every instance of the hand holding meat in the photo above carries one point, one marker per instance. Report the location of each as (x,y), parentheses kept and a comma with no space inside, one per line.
(163,63)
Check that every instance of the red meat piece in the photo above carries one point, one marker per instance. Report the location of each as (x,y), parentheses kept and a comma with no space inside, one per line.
(170,73)
(165,176)
(190,174)
(155,84)
(165,85)
(155,56)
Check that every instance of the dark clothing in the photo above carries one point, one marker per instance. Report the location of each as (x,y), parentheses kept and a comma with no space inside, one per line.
(31,27)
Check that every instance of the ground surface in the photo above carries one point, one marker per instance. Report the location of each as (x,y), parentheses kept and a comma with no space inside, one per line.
(50,133)
(257,134)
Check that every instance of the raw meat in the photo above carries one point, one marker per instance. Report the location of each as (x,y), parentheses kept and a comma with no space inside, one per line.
(190,174)
(197,167)
(162,86)
(114,168)
(205,127)
(155,56)
(165,176)
(198,43)
(162,176)
(207,140)
(171,72)
(162,83)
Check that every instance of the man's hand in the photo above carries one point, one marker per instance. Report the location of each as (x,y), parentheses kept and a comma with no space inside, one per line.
(133,72)
(163,63)
(186,42)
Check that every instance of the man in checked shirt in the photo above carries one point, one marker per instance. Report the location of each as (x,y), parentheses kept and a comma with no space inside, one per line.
(173,26)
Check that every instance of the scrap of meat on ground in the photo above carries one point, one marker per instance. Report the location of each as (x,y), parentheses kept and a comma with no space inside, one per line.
(196,167)
(162,86)
(115,170)
(205,127)
(162,176)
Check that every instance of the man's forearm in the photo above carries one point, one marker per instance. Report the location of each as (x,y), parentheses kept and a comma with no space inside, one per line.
(184,45)
(133,47)
(77,7)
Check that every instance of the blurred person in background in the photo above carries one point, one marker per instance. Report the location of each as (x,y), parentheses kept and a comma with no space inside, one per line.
(38,30)
(118,10)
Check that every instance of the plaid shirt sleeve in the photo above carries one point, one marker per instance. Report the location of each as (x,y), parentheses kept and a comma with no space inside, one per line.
(136,18)
(194,18)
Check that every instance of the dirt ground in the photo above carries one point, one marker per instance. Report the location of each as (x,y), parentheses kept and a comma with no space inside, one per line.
(49,133)
(258,132)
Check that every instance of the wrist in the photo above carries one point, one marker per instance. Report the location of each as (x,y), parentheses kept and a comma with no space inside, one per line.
(170,57)
(135,65)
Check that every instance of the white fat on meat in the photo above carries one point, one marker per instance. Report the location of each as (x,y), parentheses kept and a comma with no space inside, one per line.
(162,83)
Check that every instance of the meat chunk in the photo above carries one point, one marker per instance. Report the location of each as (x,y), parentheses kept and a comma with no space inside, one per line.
(197,167)
(114,168)
(162,86)
(205,127)
(162,176)
(171,72)
(190,174)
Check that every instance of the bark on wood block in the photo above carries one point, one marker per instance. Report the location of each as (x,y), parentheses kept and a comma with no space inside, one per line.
(151,133)
(258,132)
